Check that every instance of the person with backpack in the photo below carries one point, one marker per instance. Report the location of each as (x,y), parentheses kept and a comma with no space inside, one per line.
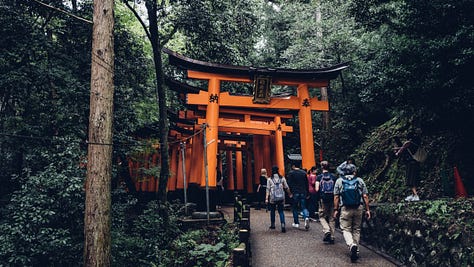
(350,192)
(298,182)
(313,201)
(342,167)
(275,197)
(325,186)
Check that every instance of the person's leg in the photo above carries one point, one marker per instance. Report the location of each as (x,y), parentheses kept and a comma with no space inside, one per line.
(282,216)
(332,221)
(324,217)
(311,206)
(356,223)
(272,215)
(316,204)
(303,207)
(346,225)
(294,207)
(305,211)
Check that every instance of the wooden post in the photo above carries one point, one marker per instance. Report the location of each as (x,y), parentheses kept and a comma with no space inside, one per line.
(267,157)
(258,157)
(97,240)
(250,176)
(239,167)
(230,170)
(306,127)
(212,130)
(174,168)
(279,148)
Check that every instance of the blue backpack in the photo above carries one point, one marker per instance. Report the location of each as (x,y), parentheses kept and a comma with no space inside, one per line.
(350,192)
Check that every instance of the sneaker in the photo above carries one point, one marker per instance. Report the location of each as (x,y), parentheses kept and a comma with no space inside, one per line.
(272,226)
(306,223)
(295,225)
(283,229)
(327,237)
(415,198)
(331,241)
(354,252)
(409,198)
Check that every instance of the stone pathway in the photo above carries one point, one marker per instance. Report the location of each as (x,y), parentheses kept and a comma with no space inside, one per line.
(301,248)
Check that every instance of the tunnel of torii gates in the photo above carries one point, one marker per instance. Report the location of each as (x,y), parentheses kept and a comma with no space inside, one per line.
(237,128)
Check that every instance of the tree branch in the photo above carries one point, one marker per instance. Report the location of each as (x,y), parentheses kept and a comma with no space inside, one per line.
(64,12)
(138,18)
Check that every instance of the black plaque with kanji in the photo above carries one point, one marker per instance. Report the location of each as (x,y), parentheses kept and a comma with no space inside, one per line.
(262,89)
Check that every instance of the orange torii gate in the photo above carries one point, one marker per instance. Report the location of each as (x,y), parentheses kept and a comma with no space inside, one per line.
(240,123)
(214,99)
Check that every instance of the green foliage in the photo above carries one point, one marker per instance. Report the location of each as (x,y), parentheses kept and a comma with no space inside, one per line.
(43,223)
(141,236)
(439,232)
(210,246)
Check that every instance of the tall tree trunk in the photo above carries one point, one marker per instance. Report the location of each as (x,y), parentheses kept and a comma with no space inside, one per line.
(97,218)
(161,96)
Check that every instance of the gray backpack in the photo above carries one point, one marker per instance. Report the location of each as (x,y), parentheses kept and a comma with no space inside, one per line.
(278,194)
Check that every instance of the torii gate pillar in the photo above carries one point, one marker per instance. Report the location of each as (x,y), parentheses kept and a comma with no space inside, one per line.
(212,130)
(306,127)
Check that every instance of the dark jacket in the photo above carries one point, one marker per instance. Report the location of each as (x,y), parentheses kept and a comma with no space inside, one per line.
(298,181)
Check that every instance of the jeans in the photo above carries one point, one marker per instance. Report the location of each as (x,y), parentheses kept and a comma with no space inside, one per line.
(313,205)
(278,206)
(299,200)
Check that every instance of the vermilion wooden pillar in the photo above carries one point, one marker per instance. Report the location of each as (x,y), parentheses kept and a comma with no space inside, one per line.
(230,170)
(250,176)
(173,167)
(239,171)
(179,173)
(258,157)
(280,158)
(196,159)
(306,127)
(189,164)
(267,157)
(212,130)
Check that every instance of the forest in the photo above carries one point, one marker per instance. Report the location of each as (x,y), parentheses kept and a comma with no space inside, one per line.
(410,68)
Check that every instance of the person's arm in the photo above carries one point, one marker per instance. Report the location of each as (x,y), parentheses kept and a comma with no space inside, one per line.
(367,208)
(316,186)
(267,194)
(258,187)
(340,168)
(307,188)
(401,149)
(336,205)
(287,188)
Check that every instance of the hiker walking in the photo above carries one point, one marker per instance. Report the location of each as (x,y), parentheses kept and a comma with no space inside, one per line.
(262,188)
(350,192)
(342,167)
(313,200)
(298,182)
(406,152)
(325,186)
(275,197)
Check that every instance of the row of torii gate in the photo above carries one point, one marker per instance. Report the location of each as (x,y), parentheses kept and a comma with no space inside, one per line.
(239,131)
